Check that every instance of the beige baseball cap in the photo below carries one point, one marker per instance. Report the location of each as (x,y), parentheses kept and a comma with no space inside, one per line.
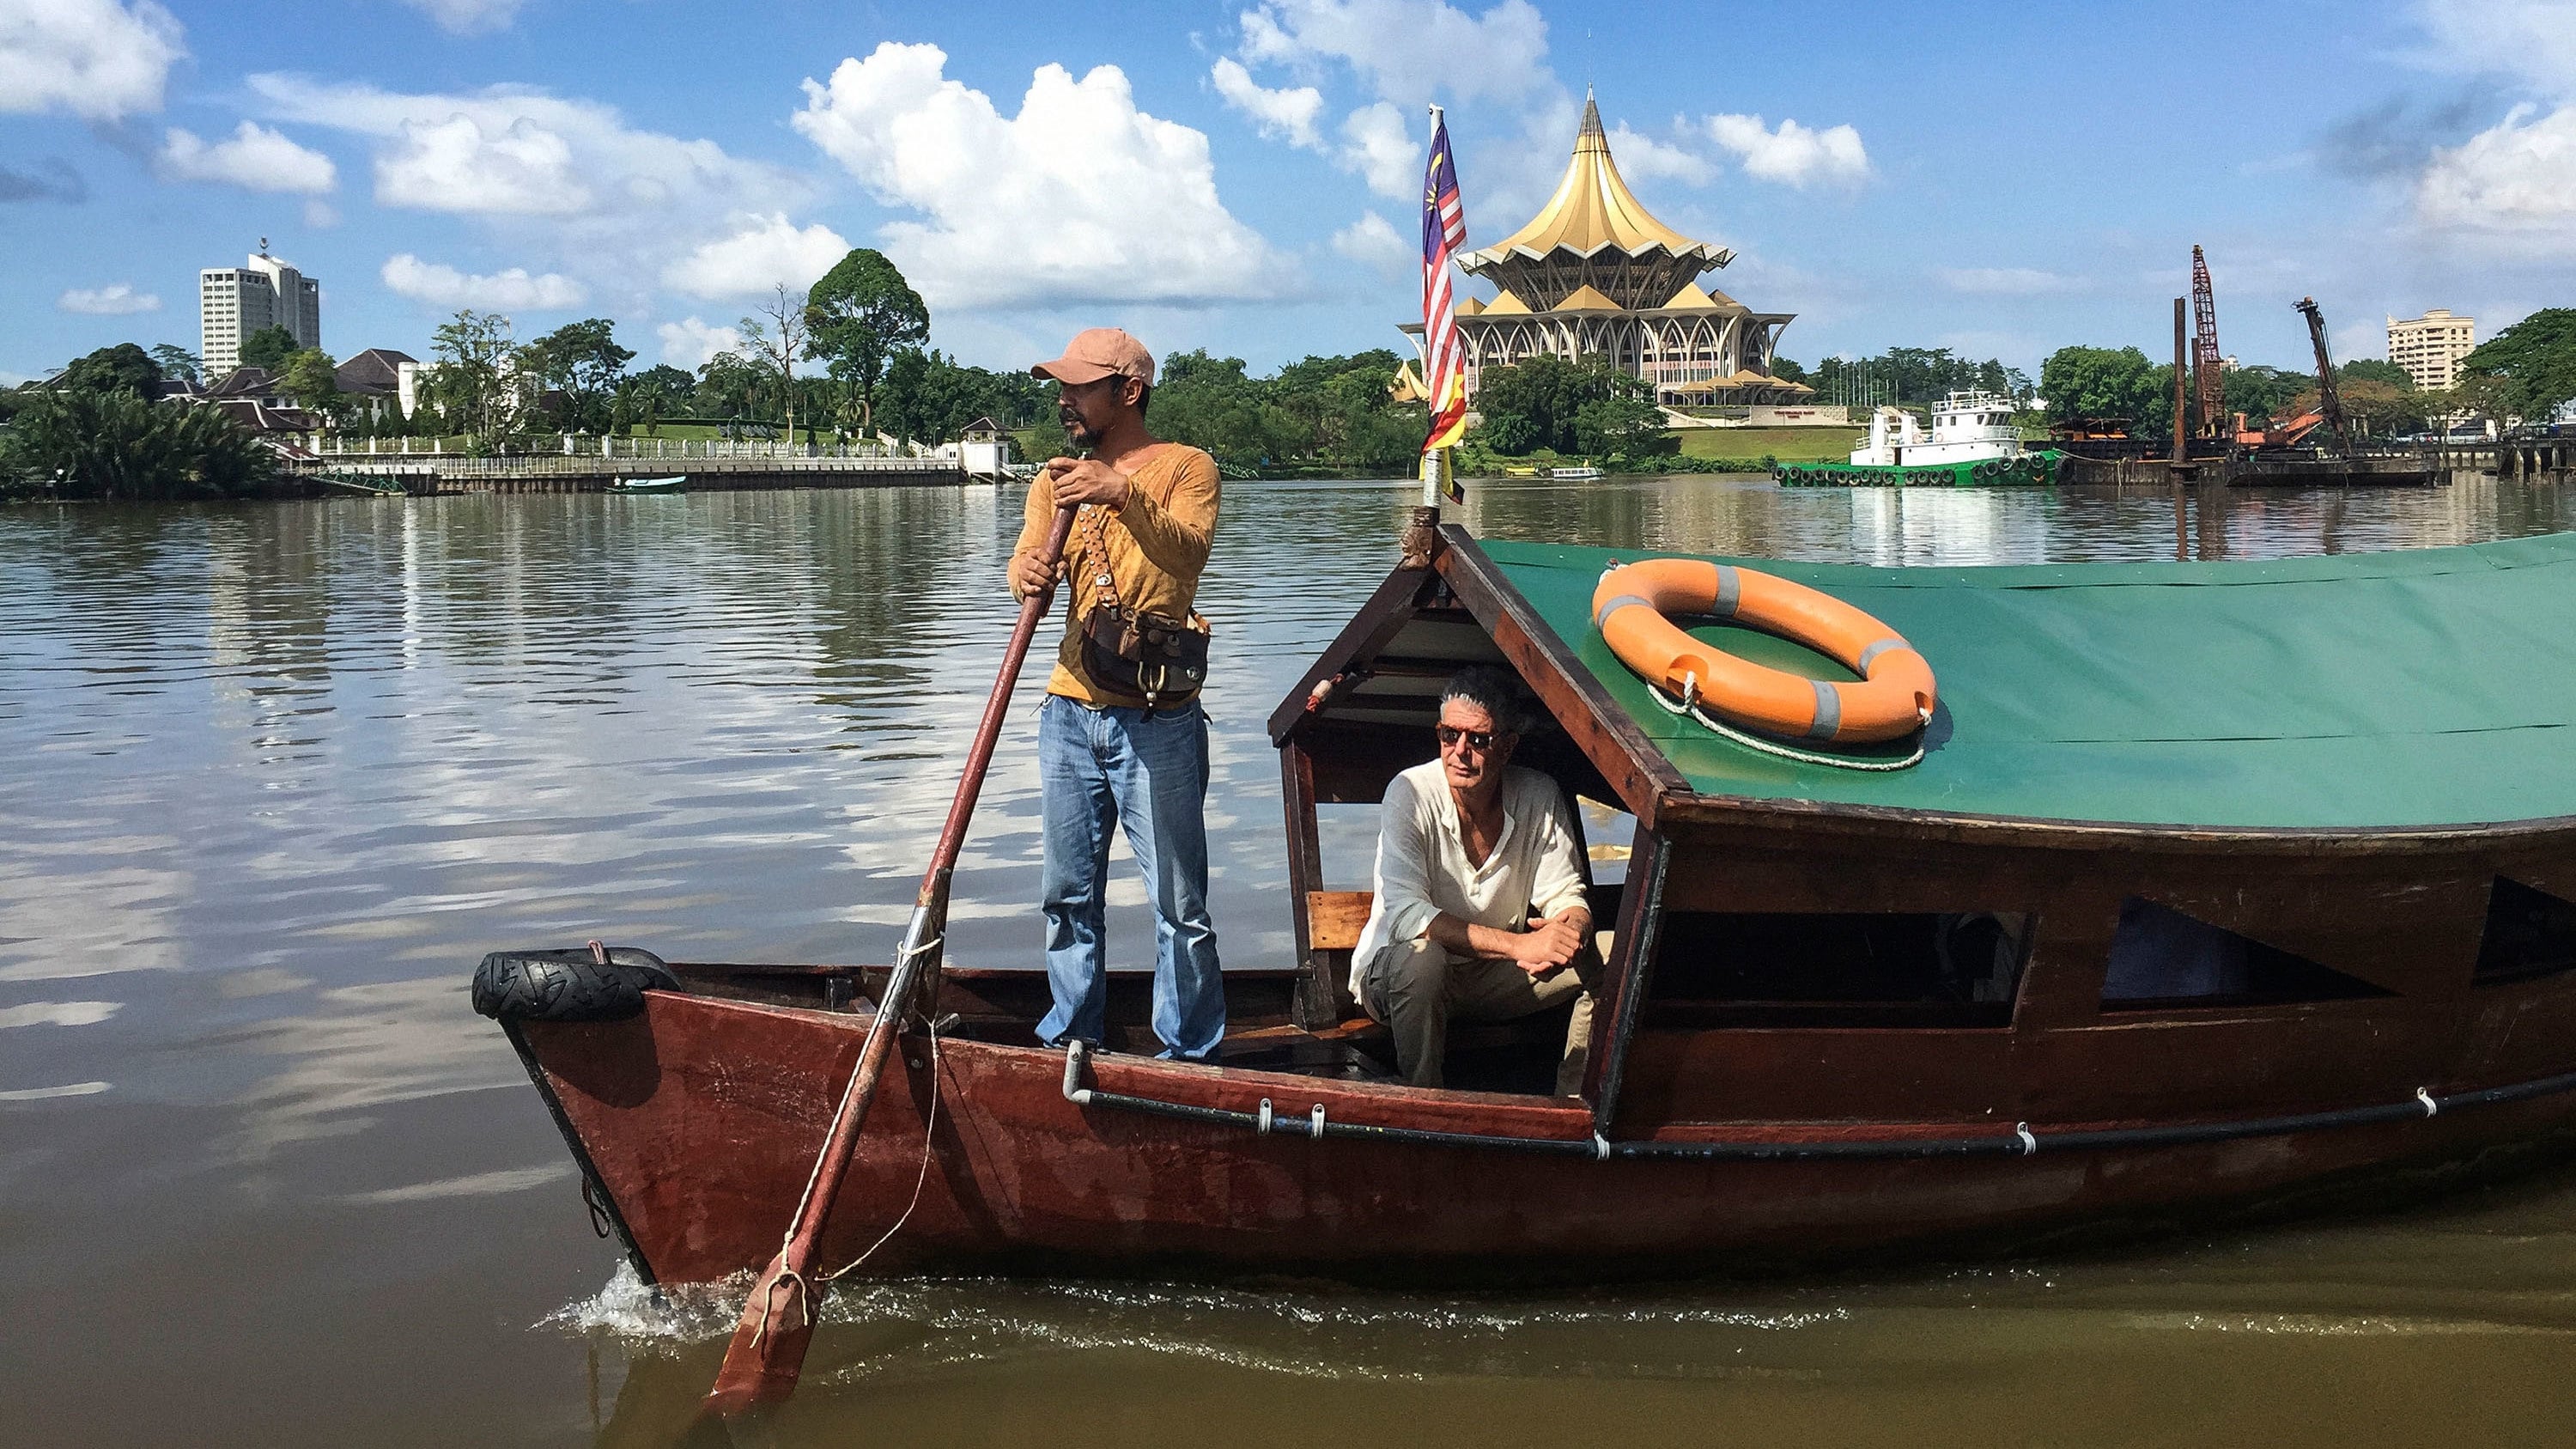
(1097,353)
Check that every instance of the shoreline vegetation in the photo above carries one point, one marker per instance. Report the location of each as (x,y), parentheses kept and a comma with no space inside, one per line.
(126,424)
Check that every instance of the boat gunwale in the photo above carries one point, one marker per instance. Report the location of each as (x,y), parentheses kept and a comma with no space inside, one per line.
(1772,1138)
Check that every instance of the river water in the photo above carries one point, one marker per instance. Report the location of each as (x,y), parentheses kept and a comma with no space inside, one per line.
(273,777)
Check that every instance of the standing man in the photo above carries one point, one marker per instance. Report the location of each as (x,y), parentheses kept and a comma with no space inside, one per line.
(1121,738)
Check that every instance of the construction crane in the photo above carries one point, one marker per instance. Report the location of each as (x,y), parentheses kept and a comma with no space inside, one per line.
(2207,368)
(2328,400)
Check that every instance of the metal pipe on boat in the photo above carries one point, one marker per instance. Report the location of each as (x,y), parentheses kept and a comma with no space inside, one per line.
(2023,1141)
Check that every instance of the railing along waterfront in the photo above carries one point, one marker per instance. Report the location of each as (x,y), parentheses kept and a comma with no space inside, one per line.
(644,449)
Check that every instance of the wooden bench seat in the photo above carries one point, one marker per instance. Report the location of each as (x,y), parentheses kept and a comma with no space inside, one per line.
(1334,918)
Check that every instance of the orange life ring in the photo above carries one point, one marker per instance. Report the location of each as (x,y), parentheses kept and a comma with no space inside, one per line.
(1894,696)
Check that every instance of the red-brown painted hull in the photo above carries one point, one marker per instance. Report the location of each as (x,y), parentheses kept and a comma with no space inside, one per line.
(702,1118)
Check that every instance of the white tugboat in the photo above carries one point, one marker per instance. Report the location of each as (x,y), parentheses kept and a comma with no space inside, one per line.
(1973,443)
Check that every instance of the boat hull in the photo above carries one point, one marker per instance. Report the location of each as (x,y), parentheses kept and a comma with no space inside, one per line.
(698,1124)
(2033,468)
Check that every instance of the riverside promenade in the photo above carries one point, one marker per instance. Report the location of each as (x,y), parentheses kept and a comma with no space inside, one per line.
(594,465)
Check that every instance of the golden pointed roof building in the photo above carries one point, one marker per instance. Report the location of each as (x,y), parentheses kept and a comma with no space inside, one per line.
(1594,233)
(1596,275)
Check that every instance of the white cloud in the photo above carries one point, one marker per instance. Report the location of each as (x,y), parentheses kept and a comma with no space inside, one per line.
(468,17)
(509,291)
(2513,184)
(1643,158)
(2007,281)
(96,59)
(768,252)
(1282,115)
(2531,40)
(511,151)
(689,342)
(321,215)
(458,165)
(1372,242)
(1081,197)
(118,299)
(2517,179)
(1794,154)
(1406,48)
(256,159)
(1375,145)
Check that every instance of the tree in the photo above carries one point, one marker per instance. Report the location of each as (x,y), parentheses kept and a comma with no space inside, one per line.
(122,368)
(1537,402)
(582,361)
(311,378)
(476,379)
(729,385)
(2534,361)
(111,443)
(2264,393)
(860,314)
(268,347)
(1623,426)
(931,398)
(778,336)
(2371,369)
(2103,382)
(1787,371)
(178,363)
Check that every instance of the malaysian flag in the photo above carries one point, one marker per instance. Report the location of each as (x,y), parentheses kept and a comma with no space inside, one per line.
(1444,230)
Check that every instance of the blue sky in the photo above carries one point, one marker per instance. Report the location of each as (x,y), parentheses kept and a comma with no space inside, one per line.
(1240,174)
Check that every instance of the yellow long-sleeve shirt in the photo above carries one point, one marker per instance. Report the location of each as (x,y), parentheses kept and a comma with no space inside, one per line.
(1157,543)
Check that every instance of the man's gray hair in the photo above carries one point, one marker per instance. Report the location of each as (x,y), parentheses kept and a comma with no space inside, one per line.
(1495,690)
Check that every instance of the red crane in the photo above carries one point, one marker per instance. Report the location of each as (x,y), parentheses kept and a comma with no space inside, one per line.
(2207,370)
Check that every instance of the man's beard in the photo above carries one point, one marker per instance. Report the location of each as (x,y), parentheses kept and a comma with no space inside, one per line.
(1076,430)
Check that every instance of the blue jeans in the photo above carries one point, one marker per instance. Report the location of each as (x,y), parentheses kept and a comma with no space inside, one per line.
(1149,774)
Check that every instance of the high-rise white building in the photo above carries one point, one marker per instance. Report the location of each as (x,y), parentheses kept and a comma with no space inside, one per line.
(2430,347)
(234,302)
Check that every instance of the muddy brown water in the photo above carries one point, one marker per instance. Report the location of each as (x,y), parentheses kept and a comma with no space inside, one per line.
(271,778)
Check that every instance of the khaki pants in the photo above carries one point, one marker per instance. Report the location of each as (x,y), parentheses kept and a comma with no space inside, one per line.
(1415,987)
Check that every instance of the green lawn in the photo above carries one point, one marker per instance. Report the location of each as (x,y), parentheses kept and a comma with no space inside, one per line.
(1789,445)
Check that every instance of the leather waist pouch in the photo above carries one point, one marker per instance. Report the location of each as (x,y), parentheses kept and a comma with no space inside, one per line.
(1158,658)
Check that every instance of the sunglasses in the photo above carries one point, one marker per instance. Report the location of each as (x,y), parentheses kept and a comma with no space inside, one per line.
(1478,740)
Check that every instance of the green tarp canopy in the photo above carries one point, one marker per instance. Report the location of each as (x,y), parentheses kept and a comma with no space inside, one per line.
(2427,687)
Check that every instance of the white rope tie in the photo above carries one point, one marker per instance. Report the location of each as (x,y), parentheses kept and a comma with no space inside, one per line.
(1689,706)
(929,1126)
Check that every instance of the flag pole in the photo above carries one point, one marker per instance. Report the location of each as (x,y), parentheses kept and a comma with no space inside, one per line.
(1421,540)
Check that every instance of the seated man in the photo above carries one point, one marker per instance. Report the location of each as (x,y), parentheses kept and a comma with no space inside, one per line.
(1480,911)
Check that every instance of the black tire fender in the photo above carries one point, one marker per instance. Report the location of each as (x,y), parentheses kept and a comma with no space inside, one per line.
(586,983)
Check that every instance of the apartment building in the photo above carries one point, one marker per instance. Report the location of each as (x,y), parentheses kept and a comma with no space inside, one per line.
(2430,347)
(234,302)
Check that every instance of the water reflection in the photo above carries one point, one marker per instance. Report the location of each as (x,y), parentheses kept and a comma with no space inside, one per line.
(276,775)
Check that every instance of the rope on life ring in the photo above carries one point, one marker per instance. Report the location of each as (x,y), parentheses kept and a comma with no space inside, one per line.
(1893,698)
(1688,705)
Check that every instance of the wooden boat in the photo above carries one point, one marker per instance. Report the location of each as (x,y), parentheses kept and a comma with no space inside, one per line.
(678,484)
(2216,883)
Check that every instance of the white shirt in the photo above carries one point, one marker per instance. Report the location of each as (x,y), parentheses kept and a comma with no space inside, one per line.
(1423,870)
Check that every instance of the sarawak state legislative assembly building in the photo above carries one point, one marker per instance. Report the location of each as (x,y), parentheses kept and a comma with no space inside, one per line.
(1594,275)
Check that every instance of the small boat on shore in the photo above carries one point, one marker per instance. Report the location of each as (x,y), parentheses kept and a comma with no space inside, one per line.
(1972,444)
(373,485)
(2204,885)
(676,484)
(1575,473)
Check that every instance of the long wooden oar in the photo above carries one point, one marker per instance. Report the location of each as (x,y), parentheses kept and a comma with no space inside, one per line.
(769,1343)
